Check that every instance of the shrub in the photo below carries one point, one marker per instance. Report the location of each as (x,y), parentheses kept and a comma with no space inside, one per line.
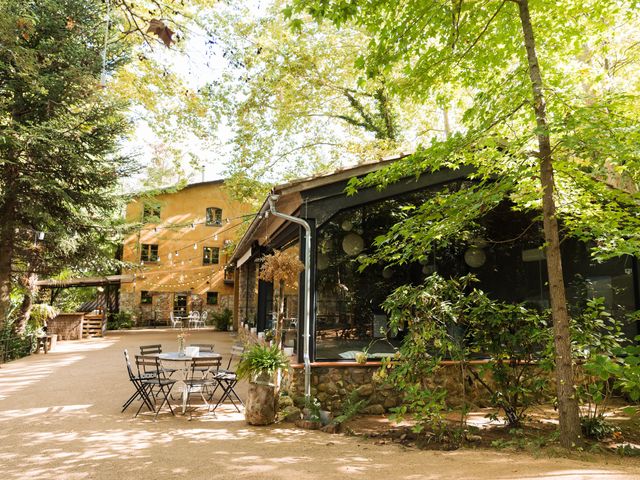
(515,339)
(40,313)
(120,321)
(222,320)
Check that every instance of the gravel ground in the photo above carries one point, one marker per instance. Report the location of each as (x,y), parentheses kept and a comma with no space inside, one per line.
(60,419)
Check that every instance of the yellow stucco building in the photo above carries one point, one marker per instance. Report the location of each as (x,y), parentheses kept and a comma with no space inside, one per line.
(180,252)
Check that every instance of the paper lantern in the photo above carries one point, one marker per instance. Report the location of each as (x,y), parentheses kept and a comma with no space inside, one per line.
(352,244)
(475,257)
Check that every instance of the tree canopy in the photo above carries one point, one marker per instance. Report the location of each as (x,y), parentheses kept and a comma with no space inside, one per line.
(59,131)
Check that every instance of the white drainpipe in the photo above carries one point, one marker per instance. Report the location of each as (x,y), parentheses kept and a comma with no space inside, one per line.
(307,290)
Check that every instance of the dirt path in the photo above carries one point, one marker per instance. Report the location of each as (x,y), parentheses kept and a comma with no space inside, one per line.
(60,419)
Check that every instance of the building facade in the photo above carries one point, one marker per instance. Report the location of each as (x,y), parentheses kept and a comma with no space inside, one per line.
(180,252)
(345,309)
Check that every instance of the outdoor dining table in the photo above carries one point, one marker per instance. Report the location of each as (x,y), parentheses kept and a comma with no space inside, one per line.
(183,371)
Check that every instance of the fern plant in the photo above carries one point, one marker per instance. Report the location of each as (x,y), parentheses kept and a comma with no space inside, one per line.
(261,360)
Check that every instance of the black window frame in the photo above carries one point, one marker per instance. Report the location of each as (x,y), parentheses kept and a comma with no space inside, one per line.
(145,297)
(208,259)
(213,217)
(149,252)
(213,295)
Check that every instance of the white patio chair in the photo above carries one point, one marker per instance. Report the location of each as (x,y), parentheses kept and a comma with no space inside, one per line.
(203,318)
(194,320)
(175,323)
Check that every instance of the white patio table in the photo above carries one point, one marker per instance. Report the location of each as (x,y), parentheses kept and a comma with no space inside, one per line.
(183,371)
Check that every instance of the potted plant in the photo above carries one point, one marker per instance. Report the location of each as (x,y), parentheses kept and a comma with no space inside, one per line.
(282,268)
(261,365)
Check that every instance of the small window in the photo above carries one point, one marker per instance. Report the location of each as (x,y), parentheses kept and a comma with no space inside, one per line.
(210,255)
(149,253)
(212,298)
(145,297)
(151,213)
(214,217)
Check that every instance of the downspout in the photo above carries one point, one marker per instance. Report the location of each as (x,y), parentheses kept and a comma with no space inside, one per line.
(307,290)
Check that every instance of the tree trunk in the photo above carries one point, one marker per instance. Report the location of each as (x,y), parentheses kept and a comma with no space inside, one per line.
(7,242)
(565,386)
(29,285)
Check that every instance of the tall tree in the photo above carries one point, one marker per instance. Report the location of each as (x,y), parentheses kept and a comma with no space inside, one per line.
(59,133)
(549,156)
(297,102)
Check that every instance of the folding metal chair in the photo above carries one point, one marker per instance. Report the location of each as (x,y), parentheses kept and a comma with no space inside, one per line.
(158,386)
(154,350)
(141,392)
(201,378)
(150,349)
(204,347)
(227,380)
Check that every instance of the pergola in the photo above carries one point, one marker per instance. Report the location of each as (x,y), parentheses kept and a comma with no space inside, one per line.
(107,282)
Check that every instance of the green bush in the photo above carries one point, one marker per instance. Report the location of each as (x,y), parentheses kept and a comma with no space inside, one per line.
(40,313)
(120,321)
(222,320)
(13,345)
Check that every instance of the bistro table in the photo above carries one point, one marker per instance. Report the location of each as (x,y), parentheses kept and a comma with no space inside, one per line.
(185,359)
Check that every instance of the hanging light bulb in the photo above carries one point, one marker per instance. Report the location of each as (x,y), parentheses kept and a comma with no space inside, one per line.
(195,246)
(176,253)
(215,237)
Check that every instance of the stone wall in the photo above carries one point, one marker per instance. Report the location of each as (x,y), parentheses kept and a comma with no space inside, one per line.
(128,302)
(162,304)
(331,385)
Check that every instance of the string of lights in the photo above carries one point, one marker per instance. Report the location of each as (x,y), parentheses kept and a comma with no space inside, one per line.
(174,255)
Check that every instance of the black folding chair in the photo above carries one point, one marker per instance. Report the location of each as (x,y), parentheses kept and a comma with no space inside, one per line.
(158,385)
(141,389)
(204,347)
(150,349)
(154,350)
(201,378)
(227,380)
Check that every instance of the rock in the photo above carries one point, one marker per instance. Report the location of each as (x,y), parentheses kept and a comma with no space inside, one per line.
(375,409)
(331,428)
(389,402)
(291,414)
(285,401)
(308,424)
(365,390)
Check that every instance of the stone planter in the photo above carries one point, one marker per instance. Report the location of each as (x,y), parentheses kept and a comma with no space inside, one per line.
(260,407)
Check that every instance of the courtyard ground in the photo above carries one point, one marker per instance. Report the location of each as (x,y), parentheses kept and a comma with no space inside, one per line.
(60,419)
